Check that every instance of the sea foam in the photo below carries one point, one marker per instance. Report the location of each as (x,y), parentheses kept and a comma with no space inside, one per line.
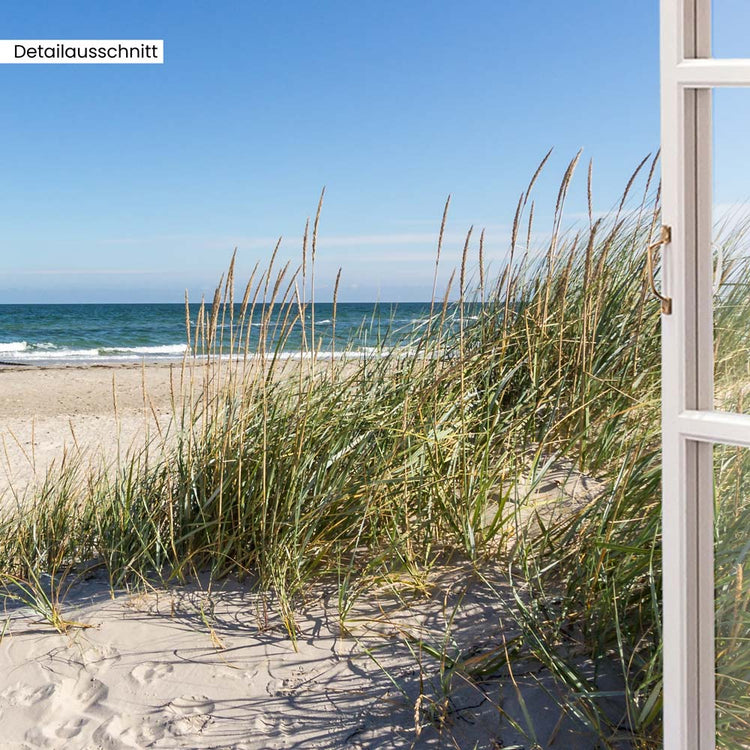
(13,346)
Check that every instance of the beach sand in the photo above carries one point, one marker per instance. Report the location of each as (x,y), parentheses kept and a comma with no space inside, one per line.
(48,413)
(193,667)
(212,666)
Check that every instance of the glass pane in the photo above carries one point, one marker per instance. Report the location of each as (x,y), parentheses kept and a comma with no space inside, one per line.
(731,249)
(732,590)
(729,28)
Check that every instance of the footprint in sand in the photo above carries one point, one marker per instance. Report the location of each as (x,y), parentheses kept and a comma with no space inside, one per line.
(77,696)
(191,704)
(36,737)
(287,686)
(99,658)
(248,675)
(124,731)
(190,714)
(269,725)
(151,671)
(55,735)
(71,728)
(25,695)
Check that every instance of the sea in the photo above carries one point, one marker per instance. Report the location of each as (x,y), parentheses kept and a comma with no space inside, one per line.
(109,333)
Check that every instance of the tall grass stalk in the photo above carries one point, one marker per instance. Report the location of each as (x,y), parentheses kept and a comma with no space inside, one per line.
(429,448)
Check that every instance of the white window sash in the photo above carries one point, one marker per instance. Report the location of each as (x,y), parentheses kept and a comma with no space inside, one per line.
(690,426)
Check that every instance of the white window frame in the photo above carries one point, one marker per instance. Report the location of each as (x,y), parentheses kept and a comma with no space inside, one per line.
(690,425)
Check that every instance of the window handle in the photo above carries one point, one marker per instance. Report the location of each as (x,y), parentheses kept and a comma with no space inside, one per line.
(664,239)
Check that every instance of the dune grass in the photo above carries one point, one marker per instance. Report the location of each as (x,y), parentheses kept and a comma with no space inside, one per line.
(430,449)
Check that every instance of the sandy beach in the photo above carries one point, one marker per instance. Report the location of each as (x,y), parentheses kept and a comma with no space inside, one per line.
(211,665)
(48,413)
(200,667)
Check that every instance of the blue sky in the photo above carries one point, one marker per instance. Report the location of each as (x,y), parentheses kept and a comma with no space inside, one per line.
(133,182)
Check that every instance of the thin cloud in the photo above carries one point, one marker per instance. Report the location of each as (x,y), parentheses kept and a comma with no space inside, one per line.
(87,272)
(405,238)
(490,226)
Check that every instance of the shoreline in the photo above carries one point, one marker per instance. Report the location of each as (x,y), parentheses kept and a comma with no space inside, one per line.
(294,355)
(7,366)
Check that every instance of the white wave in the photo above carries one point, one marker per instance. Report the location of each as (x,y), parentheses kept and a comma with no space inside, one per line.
(59,354)
(272,323)
(166,349)
(14,346)
(123,354)
(45,351)
(297,355)
(361,353)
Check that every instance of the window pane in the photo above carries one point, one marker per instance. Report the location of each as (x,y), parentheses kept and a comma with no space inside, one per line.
(732,590)
(731,249)
(729,28)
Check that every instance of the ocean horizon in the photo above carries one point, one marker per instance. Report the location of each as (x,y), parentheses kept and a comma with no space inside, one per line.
(83,333)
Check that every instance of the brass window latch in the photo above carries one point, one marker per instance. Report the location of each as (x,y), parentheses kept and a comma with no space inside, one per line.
(664,239)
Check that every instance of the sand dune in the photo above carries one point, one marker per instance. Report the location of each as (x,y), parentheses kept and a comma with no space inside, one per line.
(183,667)
(212,666)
